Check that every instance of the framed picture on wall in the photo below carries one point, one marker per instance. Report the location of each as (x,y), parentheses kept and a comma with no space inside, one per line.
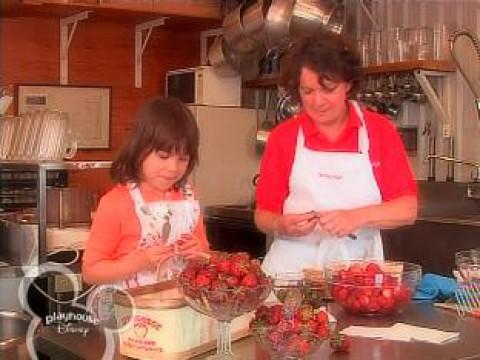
(88,109)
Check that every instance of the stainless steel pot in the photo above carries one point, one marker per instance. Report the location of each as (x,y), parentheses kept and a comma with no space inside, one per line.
(253,21)
(223,58)
(309,16)
(13,328)
(277,22)
(293,18)
(234,32)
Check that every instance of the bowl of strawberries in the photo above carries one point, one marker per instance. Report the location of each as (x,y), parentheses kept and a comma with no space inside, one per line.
(372,287)
(286,338)
(224,286)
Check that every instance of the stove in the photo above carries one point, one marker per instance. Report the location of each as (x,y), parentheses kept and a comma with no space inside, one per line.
(231,228)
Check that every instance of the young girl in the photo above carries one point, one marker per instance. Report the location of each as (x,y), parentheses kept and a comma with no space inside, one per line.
(150,220)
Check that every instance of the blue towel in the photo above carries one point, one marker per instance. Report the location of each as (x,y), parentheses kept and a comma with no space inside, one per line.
(435,288)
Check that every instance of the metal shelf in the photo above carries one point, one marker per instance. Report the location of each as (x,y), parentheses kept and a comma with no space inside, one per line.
(271,81)
(42,167)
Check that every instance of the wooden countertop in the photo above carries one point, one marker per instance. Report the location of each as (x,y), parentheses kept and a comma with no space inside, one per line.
(76,346)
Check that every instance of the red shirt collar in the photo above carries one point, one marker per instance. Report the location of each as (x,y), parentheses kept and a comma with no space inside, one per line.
(309,129)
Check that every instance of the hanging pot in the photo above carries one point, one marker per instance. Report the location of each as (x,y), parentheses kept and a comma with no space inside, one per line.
(277,22)
(290,18)
(309,16)
(234,32)
(224,60)
(253,21)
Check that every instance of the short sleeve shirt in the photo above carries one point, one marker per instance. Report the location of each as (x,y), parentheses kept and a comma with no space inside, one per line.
(387,154)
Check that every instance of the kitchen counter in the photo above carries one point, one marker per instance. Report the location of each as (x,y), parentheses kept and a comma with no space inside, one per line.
(76,346)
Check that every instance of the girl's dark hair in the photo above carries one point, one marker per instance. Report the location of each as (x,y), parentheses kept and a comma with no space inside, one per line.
(163,124)
(328,54)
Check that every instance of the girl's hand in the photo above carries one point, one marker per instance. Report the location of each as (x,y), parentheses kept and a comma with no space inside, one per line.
(295,224)
(189,247)
(158,254)
(340,222)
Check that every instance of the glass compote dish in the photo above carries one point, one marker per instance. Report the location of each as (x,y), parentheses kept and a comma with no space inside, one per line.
(288,288)
(290,339)
(224,287)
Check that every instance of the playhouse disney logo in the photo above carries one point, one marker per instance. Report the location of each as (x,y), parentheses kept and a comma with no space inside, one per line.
(97,315)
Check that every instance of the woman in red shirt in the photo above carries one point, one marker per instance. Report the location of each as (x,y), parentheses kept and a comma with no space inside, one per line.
(335,174)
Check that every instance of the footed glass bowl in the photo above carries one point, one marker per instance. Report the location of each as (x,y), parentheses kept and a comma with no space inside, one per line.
(224,305)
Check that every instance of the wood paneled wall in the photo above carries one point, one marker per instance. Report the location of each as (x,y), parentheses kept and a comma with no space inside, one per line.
(101,53)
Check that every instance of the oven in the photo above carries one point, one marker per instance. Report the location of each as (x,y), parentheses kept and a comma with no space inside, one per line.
(231,228)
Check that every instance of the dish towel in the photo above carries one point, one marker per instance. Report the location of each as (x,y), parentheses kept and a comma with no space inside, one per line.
(434,287)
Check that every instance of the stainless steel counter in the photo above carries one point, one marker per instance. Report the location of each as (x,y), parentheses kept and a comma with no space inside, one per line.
(74,346)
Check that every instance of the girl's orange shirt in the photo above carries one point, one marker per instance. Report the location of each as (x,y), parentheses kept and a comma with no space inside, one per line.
(115,230)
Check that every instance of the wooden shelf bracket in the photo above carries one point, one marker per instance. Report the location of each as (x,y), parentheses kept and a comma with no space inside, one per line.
(66,36)
(141,43)
(441,110)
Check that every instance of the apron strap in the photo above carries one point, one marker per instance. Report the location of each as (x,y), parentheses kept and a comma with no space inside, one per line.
(363,141)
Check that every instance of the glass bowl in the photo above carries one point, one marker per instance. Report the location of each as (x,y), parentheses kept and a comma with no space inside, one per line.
(372,287)
(223,287)
(290,338)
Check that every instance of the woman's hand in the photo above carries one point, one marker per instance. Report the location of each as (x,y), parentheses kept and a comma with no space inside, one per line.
(340,222)
(295,224)
(158,254)
(189,246)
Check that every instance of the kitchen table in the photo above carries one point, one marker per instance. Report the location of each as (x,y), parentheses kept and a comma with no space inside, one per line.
(467,347)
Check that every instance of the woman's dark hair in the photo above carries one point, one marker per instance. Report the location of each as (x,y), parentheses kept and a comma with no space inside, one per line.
(163,124)
(328,54)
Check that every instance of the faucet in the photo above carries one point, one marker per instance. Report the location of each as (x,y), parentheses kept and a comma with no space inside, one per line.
(473,187)
(469,78)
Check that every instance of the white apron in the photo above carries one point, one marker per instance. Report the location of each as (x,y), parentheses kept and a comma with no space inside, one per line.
(323,181)
(162,223)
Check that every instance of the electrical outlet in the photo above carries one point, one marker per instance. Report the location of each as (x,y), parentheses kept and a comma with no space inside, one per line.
(63,283)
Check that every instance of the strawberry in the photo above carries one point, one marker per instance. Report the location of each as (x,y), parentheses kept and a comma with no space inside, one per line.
(276,314)
(340,342)
(203,280)
(238,269)
(312,326)
(275,337)
(322,331)
(321,317)
(303,347)
(223,266)
(250,280)
(373,268)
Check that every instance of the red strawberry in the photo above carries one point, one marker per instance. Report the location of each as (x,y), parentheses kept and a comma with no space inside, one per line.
(340,342)
(276,314)
(203,280)
(250,280)
(312,326)
(275,337)
(373,268)
(224,266)
(238,269)
(323,331)
(321,317)
(303,347)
